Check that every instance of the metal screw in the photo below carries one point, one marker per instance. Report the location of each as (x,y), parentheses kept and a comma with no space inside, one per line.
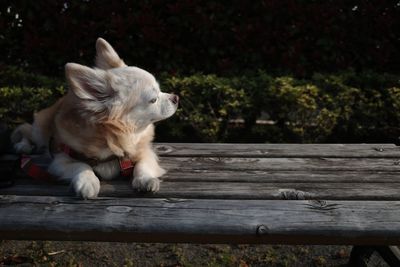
(379,149)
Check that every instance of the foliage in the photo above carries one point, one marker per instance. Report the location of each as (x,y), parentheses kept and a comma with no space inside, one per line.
(346,107)
(18,103)
(182,36)
(302,108)
(23,93)
(208,103)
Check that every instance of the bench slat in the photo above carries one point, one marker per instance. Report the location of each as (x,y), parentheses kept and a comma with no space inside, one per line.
(195,164)
(282,164)
(277,150)
(202,221)
(276,176)
(226,190)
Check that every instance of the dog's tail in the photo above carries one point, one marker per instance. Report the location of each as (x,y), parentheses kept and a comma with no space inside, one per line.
(21,138)
(28,138)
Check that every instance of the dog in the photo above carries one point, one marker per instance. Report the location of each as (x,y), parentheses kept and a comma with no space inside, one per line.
(105,118)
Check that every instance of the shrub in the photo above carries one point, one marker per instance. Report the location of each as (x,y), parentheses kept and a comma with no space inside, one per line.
(23,93)
(207,103)
(301,108)
(17,104)
(365,104)
(345,107)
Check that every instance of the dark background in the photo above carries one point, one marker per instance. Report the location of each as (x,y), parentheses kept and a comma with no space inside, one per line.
(297,37)
(314,71)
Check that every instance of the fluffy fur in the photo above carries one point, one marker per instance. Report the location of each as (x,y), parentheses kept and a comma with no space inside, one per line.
(109,110)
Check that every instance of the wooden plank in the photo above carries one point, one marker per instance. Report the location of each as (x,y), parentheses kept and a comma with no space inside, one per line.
(277,150)
(277,176)
(201,221)
(269,164)
(273,176)
(272,150)
(226,190)
(337,171)
(281,164)
(329,158)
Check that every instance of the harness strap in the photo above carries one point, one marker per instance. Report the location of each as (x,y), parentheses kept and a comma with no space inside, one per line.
(126,165)
(34,170)
(39,173)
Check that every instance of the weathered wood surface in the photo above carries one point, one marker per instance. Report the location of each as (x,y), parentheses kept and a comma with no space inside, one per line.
(210,221)
(223,193)
(278,150)
(226,190)
(282,164)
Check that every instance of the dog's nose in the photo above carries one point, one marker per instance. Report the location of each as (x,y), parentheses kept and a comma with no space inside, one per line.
(174,99)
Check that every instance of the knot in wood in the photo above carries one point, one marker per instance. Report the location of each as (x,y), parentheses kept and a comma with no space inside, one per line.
(119,209)
(262,230)
(318,203)
(293,194)
(379,149)
(321,205)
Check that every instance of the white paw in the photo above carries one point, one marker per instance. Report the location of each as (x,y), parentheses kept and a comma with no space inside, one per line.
(146,184)
(86,186)
(23,147)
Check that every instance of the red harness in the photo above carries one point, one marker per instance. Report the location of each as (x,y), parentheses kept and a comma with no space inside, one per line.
(38,172)
(126,165)
(35,170)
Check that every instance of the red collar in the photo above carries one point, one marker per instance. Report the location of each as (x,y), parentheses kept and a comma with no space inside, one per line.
(126,165)
(39,172)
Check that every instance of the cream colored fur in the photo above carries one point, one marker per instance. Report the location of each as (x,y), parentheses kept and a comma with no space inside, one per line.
(109,110)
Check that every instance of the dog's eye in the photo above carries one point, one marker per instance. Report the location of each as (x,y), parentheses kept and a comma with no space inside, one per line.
(154,100)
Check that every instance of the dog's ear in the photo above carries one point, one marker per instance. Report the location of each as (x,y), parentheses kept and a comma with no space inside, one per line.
(106,57)
(87,83)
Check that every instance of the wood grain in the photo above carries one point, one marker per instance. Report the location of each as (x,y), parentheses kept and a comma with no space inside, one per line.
(278,176)
(281,164)
(277,150)
(224,190)
(205,221)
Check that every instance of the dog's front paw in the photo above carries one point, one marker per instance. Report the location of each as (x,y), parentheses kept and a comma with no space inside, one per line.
(146,184)
(86,186)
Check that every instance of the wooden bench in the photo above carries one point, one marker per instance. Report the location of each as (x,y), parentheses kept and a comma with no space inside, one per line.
(229,193)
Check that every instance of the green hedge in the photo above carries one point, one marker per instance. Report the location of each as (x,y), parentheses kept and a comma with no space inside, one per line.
(23,93)
(345,107)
